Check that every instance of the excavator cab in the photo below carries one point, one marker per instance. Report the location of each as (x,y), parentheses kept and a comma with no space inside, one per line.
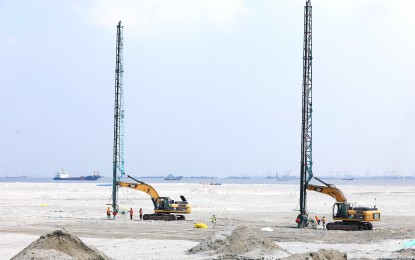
(167,205)
(163,203)
(340,210)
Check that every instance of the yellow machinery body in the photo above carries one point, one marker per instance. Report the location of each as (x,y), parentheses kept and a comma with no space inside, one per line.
(164,207)
(348,216)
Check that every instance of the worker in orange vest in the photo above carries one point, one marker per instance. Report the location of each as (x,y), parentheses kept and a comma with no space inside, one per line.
(317,220)
(131,213)
(108,213)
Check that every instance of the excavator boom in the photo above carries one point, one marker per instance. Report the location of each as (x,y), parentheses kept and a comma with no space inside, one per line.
(331,191)
(144,187)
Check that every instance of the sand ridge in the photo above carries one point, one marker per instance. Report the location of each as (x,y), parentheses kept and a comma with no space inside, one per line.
(405,253)
(239,242)
(321,254)
(244,243)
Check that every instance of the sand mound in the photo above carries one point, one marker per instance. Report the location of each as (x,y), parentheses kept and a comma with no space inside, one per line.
(240,243)
(321,254)
(59,245)
(407,253)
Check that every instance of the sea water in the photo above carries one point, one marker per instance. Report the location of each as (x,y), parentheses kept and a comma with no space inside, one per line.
(209,181)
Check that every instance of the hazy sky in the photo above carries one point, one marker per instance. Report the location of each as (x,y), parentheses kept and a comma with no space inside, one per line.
(212,87)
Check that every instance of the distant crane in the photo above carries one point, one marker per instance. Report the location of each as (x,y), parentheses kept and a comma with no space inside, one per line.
(306,129)
(118,149)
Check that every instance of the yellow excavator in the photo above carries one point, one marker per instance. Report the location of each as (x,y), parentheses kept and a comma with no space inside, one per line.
(164,207)
(351,217)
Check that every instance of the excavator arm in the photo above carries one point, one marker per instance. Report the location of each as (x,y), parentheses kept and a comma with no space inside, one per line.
(144,187)
(331,191)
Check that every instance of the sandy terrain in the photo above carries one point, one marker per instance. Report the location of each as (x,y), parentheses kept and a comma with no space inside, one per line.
(29,210)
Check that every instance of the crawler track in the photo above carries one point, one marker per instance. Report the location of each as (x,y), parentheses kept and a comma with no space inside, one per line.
(349,226)
(165,217)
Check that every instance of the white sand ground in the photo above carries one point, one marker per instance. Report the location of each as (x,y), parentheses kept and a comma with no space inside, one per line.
(28,210)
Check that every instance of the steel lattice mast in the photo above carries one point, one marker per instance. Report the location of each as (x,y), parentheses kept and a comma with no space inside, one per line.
(306,129)
(118,148)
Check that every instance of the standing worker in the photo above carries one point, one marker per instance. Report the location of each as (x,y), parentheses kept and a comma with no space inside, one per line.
(324,222)
(304,220)
(141,213)
(131,213)
(108,213)
(317,220)
(213,219)
(298,220)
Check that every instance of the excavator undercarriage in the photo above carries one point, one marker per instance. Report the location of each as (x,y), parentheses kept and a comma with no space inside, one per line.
(163,216)
(349,226)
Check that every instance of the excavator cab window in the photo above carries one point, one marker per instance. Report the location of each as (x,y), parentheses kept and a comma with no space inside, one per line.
(340,210)
(160,204)
(164,203)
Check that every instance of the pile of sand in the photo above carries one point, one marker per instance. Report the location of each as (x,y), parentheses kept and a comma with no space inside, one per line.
(321,254)
(406,253)
(59,245)
(239,243)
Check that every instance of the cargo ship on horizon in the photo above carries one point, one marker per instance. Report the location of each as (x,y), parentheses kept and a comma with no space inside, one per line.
(63,176)
(15,177)
(171,177)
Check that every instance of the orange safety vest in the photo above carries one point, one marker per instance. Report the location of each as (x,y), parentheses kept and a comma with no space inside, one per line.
(108,212)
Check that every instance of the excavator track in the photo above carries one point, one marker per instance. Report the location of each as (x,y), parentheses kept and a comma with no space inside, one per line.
(165,217)
(180,217)
(349,226)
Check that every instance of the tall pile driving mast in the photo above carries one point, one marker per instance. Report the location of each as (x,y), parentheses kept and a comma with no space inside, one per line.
(306,126)
(118,148)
